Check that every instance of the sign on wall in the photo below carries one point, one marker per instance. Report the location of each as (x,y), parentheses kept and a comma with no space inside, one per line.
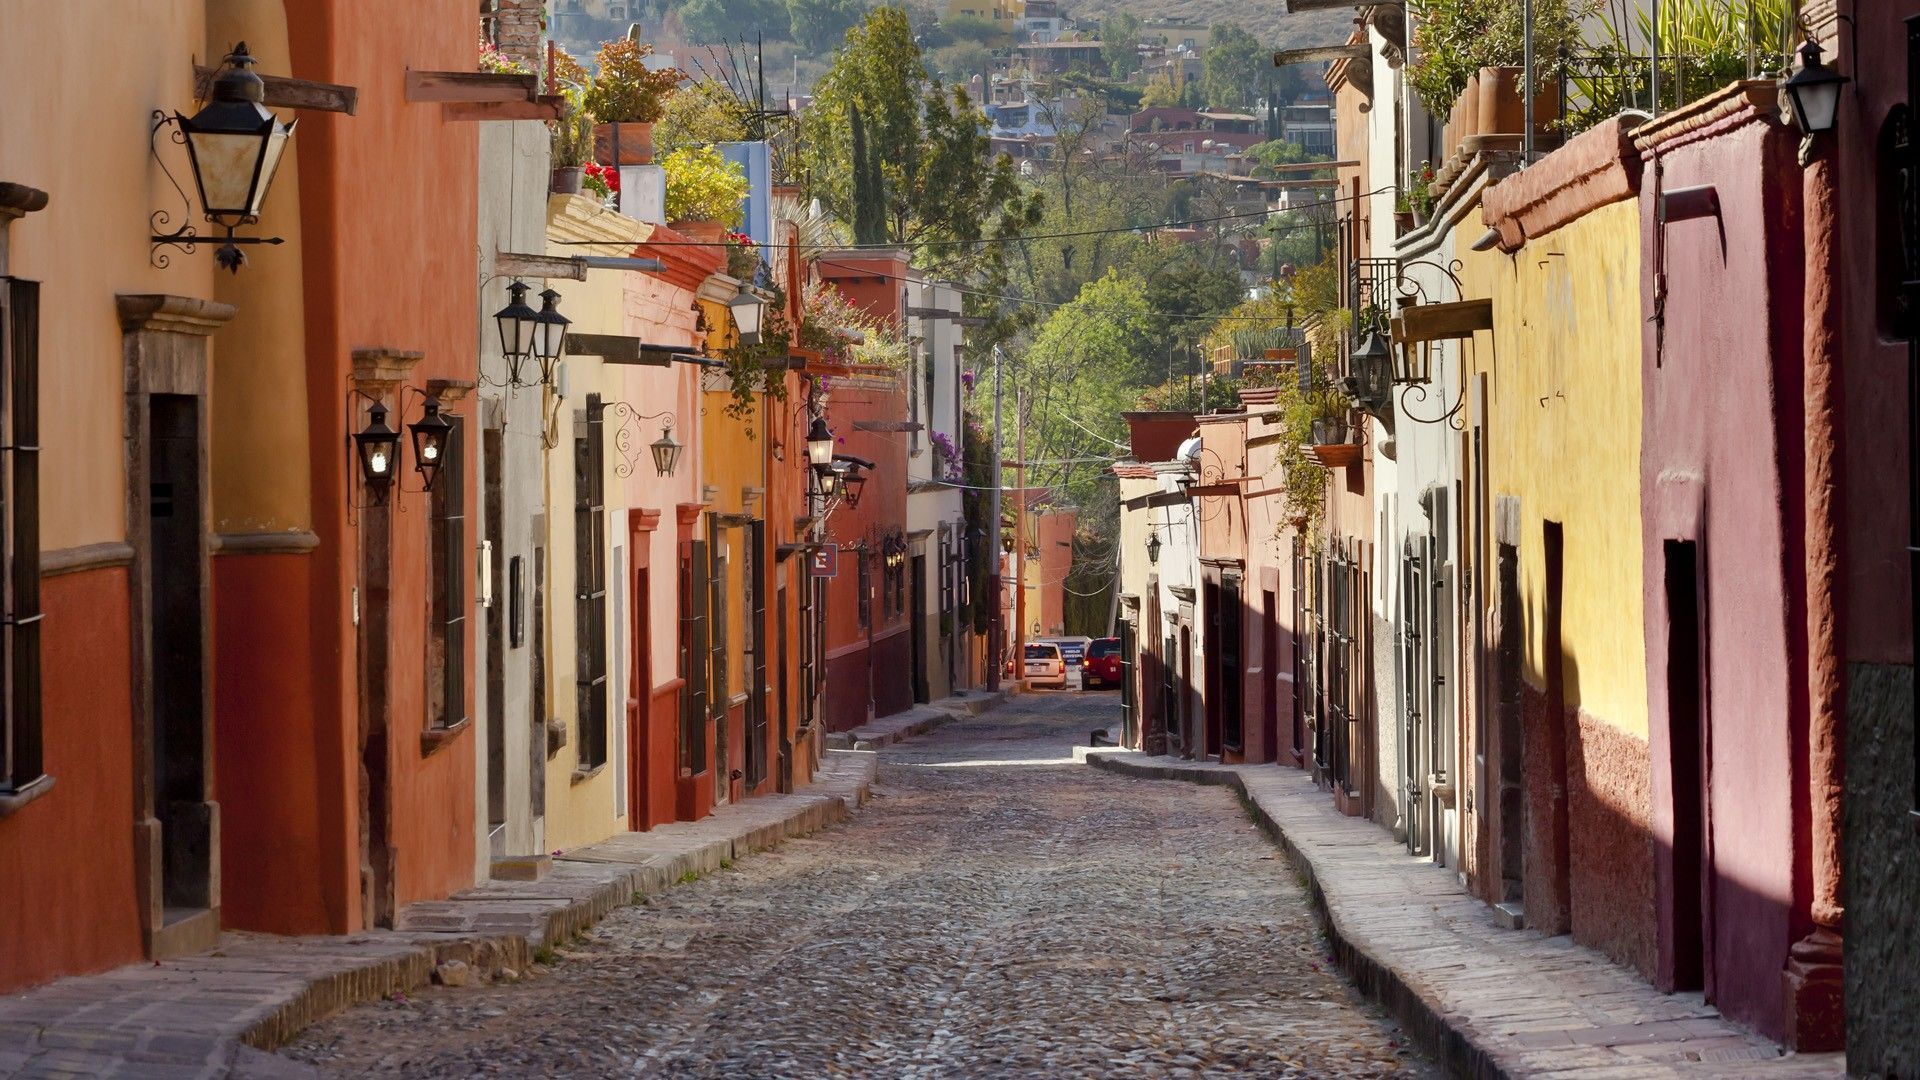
(824,561)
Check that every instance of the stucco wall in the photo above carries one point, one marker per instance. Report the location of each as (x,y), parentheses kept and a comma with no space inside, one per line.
(1563,400)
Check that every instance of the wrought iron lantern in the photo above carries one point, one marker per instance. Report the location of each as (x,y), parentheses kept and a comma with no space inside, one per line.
(1153,546)
(747,308)
(854,482)
(550,341)
(666,452)
(830,475)
(1372,378)
(1814,91)
(378,446)
(819,443)
(519,331)
(235,145)
(432,442)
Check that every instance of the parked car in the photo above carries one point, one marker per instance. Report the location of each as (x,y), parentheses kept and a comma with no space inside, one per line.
(1102,665)
(1045,665)
(1073,650)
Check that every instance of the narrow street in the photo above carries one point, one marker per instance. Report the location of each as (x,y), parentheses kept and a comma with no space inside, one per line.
(996,910)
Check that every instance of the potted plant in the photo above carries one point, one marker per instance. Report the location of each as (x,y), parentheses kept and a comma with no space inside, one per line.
(1331,440)
(1402,213)
(704,193)
(625,98)
(1419,192)
(743,258)
(572,144)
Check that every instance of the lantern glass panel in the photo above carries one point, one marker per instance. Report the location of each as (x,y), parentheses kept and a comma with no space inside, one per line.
(666,453)
(552,327)
(819,443)
(224,165)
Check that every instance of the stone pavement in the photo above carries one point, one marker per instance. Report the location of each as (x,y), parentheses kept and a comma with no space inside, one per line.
(998,910)
(1487,1000)
(212,1014)
(917,721)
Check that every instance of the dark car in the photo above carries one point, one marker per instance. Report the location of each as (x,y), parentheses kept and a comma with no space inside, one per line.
(1102,664)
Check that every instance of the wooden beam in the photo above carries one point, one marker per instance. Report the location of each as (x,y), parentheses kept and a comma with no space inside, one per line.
(1432,322)
(1313,166)
(514,264)
(619,349)
(546,107)
(470,86)
(1320,54)
(285,93)
(886,425)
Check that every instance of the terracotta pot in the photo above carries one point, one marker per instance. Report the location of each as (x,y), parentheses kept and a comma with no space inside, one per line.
(1464,121)
(1403,220)
(566,180)
(1500,101)
(1338,455)
(712,232)
(636,143)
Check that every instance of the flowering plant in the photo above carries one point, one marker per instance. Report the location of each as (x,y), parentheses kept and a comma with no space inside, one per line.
(602,180)
(966,380)
(1419,192)
(495,62)
(946,456)
(743,258)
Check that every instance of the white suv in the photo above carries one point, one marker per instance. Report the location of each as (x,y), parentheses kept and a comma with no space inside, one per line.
(1045,666)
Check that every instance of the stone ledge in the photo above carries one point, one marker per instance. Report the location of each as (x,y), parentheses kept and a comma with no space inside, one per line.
(1471,991)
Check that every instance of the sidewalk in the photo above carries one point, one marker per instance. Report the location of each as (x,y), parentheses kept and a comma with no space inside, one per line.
(215,1013)
(1486,1001)
(919,720)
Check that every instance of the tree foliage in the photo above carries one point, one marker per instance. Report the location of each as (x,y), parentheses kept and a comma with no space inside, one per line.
(1235,66)
(1159,94)
(1119,41)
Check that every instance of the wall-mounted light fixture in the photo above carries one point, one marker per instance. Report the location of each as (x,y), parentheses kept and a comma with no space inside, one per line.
(235,146)
(378,446)
(747,308)
(519,331)
(1153,546)
(432,442)
(550,344)
(666,452)
(819,443)
(1813,92)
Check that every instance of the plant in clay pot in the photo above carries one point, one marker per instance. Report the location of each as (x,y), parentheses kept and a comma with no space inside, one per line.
(571,140)
(1454,39)
(1419,191)
(626,94)
(600,181)
(704,192)
(743,258)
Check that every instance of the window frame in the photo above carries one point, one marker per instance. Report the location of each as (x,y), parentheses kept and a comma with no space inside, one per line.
(590,583)
(446,600)
(22,728)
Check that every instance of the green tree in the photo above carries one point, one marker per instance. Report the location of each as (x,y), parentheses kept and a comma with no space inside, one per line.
(960,61)
(972,28)
(1119,36)
(699,114)
(1159,94)
(819,25)
(1235,64)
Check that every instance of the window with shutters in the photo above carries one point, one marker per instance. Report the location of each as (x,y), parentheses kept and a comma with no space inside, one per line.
(590,581)
(447,606)
(20,750)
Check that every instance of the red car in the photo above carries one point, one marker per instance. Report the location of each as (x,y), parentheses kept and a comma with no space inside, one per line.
(1102,664)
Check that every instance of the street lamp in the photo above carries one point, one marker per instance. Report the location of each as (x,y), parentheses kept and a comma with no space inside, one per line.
(1153,546)
(432,441)
(666,452)
(854,481)
(746,308)
(234,145)
(377,444)
(519,330)
(550,343)
(1814,91)
(1373,375)
(819,443)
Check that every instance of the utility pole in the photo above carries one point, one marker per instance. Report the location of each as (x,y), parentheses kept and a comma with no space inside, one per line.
(1020,541)
(996,623)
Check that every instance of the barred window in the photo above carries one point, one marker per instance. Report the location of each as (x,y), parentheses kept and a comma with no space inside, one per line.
(447,604)
(20,749)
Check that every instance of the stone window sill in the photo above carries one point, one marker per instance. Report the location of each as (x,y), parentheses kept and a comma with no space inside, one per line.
(14,800)
(433,740)
(581,776)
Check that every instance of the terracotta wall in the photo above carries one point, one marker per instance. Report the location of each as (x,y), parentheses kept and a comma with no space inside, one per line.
(1719,469)
(387,197)
(875,398)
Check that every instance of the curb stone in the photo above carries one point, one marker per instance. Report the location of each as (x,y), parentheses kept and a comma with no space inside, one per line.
(914,722)
(1563,1008)
(216,1013)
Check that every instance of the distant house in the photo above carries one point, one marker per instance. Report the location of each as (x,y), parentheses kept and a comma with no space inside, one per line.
(1036,59)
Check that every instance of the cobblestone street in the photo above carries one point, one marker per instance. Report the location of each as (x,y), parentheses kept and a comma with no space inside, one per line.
(997,910)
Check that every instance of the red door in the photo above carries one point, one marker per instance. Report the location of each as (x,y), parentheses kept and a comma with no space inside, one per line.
(642,783)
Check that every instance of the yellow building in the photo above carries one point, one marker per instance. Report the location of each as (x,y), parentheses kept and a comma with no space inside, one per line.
(1005,15)
(1551,537)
